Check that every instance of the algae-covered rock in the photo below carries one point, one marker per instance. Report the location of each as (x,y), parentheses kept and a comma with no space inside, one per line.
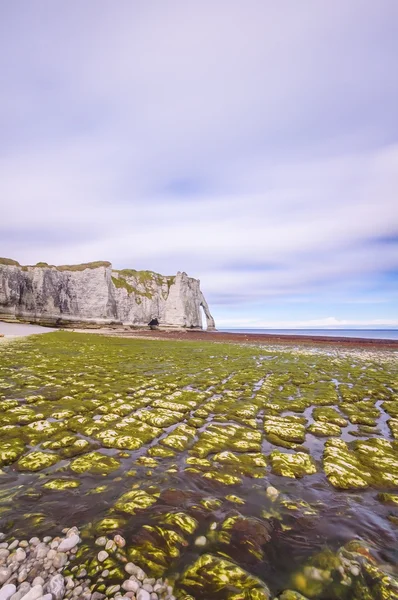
(135,500)
(342,467)
(94,462)
(10,451)
(180,438)
(211,576)
(36,461)
(217,438)
(391,499)
(327,414)
(292,465)
(245,537)
(381,457)
(61,484)
(185,523)
(289,428)
(324,429)
(291,595)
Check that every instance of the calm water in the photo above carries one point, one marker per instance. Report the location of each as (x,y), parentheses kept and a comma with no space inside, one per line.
(376,334)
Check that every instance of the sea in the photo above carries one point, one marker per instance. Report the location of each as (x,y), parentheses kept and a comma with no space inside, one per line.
(375,334)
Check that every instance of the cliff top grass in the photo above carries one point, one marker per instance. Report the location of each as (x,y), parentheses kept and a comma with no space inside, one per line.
(9,261)
(144,278)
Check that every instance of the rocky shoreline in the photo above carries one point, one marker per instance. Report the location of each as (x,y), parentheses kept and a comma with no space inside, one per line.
(51,569)
(249,338)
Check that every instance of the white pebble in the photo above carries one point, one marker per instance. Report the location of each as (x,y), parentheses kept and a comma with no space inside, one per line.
(5,573)
(143,595)
(140,574)
(131,586)
(272,492)
(201,541)
(34,593)
(13,545)
(102,555)
(69,543)
(119,541)
(20,555)
(101,541)
(7,591)
(130,568)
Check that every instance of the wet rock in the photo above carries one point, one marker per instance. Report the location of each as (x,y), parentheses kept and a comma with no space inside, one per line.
(213,574)
(292,465)
(102,555)
(101,541)
(60,559)
(143,595)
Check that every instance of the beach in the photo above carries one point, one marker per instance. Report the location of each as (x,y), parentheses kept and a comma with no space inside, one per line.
(212,461)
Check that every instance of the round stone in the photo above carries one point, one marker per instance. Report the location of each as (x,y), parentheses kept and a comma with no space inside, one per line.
(5,573)
(119,541)
(20,555)
(131,586)
(102,555)
(101,541)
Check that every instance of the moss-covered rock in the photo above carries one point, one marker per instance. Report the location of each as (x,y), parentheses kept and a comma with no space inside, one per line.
(61,484)
(95,462)
(10,451)
(292,465)
(211,576)
(37,461)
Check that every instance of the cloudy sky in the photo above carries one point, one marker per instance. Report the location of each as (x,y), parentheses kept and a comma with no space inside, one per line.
(252,144)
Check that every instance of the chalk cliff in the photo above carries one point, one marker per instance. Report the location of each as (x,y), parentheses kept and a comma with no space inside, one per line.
(94,294)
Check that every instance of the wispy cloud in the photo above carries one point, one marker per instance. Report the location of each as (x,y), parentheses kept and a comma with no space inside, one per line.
(253,145)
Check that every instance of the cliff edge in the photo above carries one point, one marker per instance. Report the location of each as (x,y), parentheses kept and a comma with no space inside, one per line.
(94,294)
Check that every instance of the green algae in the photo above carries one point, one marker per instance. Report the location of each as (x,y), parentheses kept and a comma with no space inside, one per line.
(288,429)
(292,465)
(236,438)
(10,451)
(94,462)
(197,412)
(329,415)
(61,484)
(211,575)
(324,429)
(36,461)
(135,500)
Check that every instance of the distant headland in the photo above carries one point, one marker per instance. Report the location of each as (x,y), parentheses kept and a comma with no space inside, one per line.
(94,295)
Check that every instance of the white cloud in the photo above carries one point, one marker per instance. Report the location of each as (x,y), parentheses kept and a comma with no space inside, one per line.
(266,108)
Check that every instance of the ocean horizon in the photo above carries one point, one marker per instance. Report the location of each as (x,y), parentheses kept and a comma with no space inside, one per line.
(376,334)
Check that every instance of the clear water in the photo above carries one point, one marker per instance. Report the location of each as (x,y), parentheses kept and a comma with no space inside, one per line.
(376,334)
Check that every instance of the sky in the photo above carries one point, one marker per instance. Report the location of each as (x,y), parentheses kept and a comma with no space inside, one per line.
(250,143)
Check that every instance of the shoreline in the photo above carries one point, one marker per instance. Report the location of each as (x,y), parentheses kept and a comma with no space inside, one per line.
(250,338)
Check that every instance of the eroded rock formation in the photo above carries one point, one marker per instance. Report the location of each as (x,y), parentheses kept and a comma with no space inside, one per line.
(95,294)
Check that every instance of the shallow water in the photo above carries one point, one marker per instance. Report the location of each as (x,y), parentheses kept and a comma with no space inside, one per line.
(22,329)
(108,381)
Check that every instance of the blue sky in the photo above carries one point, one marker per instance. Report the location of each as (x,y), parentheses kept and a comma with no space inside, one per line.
(252,144)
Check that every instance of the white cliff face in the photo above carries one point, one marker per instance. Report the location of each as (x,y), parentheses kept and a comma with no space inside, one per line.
(97,295)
